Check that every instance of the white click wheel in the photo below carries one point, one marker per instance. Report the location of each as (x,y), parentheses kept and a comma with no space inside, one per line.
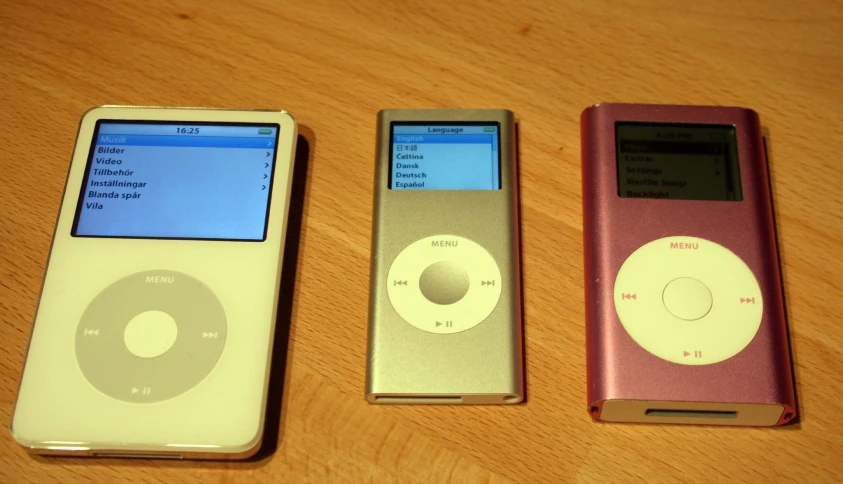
(151,336)
(444,284)
(688,300)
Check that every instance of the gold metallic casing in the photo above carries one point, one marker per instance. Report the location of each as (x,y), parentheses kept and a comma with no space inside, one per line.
(483,364)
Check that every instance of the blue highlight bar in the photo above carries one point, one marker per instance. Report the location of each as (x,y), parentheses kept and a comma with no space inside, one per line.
(191,141)
(444,138)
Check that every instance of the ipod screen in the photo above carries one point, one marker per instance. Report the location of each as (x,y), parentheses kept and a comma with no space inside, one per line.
(678,161)
(437,156)
(206,181)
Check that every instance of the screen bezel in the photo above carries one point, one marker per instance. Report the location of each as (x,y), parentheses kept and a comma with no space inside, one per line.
(734,162)
(90,158)
(392,126)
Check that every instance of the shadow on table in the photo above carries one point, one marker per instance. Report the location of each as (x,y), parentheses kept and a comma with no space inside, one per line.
(794,424)
(520,288)
(275,399)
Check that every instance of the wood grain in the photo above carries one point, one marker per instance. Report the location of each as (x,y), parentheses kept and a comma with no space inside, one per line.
(334,65)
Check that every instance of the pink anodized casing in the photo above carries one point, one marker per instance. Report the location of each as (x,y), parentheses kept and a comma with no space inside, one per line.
(756,384)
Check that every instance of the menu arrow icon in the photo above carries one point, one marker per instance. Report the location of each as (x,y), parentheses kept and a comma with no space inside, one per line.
(266,165)
(267,154)
(264,176)
(264,187)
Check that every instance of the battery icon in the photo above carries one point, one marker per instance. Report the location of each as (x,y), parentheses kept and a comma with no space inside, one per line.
(264,131)
(489,129)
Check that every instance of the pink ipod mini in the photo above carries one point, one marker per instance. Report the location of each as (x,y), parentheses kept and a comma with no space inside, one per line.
(685,319)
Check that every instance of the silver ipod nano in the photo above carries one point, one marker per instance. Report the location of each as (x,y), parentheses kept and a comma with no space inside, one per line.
(445,296)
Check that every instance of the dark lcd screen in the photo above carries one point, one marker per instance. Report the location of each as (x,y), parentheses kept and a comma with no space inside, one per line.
(678,161)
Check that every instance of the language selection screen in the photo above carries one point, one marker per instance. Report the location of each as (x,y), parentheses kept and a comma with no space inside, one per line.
(445,157)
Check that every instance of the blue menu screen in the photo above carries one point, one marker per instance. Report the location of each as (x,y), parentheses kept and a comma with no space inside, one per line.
(177,181)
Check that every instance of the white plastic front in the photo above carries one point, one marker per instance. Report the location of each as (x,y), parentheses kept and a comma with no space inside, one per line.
(58,407)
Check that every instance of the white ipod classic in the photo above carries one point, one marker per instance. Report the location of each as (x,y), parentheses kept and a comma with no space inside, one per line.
(154,329)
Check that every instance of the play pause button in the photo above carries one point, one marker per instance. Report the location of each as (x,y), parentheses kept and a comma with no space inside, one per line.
(447,324)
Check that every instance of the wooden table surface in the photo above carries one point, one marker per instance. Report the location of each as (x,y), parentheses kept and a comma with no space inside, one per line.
(334,65)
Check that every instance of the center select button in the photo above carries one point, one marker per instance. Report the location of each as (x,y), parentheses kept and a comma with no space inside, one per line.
(444,282)
(687,298)
(150,334)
